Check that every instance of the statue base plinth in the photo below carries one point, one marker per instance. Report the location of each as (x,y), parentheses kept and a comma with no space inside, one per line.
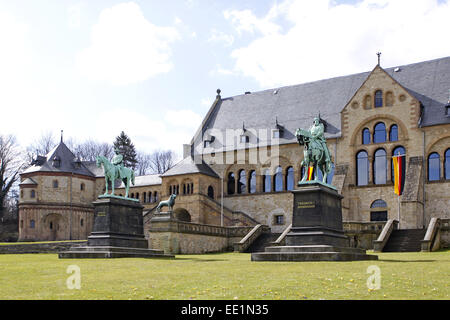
(162,216)
(316,233)
(117,232)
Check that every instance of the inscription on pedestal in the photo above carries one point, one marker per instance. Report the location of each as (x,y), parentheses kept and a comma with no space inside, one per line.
(306,204)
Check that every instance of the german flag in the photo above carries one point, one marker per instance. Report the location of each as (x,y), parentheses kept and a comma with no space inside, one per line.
(309,173)
(399,173)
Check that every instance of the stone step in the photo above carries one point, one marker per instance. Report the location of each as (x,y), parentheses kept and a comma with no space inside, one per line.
(315,248)
(114,249)
(108,254)
(311,256)
(406,240)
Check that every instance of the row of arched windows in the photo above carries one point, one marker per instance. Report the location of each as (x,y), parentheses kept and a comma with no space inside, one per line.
(149,197)
(379,166)
(187,188)
(379,134)
(378,100)
(434,166)
(281,180)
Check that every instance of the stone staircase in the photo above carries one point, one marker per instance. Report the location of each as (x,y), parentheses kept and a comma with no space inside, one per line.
(406,240)
(264,240)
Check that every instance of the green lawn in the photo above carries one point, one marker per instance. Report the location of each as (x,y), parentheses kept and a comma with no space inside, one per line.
(225,276)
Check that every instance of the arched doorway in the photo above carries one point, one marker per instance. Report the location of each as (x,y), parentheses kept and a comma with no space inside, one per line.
(182,214)
(53,224)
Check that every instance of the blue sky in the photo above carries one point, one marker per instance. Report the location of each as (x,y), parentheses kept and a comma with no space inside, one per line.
(151,68)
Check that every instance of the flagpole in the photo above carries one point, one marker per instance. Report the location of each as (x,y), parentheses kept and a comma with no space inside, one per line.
(398,212)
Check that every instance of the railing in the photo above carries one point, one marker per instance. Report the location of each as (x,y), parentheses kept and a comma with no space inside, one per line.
(431,240)
(281,238)
(242,245)
(197,228)
(379,244)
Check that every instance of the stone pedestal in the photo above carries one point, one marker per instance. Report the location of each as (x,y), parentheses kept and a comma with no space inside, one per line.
(316,233)
(118,232)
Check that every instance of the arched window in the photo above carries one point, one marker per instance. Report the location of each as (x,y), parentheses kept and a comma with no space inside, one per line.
(380,167)
(378,210)
(155,196)
(378,98)
(137,195)
(393,133)
(32,224)
(192,188)
(81,222)
(447,164)
(365,136)
(82,186)
(252,182)
(362,168)
(32,194)
(132,195)
(170,190)
(398,151)
(211,192)
(242,183)
(231,183)
(55,183)
(267,181)
(290,178)
(144,197)
(379,134)
(184,188)
(434,171)
(278,179)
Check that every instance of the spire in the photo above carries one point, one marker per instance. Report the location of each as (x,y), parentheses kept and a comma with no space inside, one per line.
(62,135)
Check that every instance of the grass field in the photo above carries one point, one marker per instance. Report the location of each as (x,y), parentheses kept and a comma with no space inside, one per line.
(225,276)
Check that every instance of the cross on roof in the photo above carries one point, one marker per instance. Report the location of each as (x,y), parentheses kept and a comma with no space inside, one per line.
(378,54)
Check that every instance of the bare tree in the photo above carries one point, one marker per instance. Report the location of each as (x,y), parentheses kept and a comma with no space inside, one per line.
(161,161)
(89,150)
(41,146)
(10,165)
(144,163)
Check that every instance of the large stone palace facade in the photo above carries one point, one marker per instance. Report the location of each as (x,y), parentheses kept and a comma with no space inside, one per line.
(244,159)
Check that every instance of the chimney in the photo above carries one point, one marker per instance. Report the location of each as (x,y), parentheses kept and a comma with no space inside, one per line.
(186,150)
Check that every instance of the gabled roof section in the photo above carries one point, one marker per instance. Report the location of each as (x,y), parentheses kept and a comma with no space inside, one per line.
(28,181)
(65,158)
(188,166)
(295,106)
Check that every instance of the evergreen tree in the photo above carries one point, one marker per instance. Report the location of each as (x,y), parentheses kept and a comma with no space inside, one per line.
(126,148)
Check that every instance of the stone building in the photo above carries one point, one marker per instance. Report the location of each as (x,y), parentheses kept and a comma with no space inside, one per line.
(56,195)
(244,158)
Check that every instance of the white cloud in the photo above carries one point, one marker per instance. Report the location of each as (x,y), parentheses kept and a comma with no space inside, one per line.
(126,48)
(325,40)
(217,36)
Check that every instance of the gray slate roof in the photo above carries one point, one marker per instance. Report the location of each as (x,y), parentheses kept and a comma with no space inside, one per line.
(67,165)
(188,165)
(146,180)
(295,106)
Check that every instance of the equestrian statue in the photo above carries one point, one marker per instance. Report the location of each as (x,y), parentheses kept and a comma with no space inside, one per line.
(115,170)
(315,150)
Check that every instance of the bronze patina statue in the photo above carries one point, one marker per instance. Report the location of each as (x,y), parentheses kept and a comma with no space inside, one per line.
(315,150)
(115,170)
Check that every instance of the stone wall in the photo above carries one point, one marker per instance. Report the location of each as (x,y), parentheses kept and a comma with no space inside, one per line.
(46,247)
(178,237)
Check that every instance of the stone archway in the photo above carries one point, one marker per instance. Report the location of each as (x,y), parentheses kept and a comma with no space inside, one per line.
(53,226)
(182,214)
